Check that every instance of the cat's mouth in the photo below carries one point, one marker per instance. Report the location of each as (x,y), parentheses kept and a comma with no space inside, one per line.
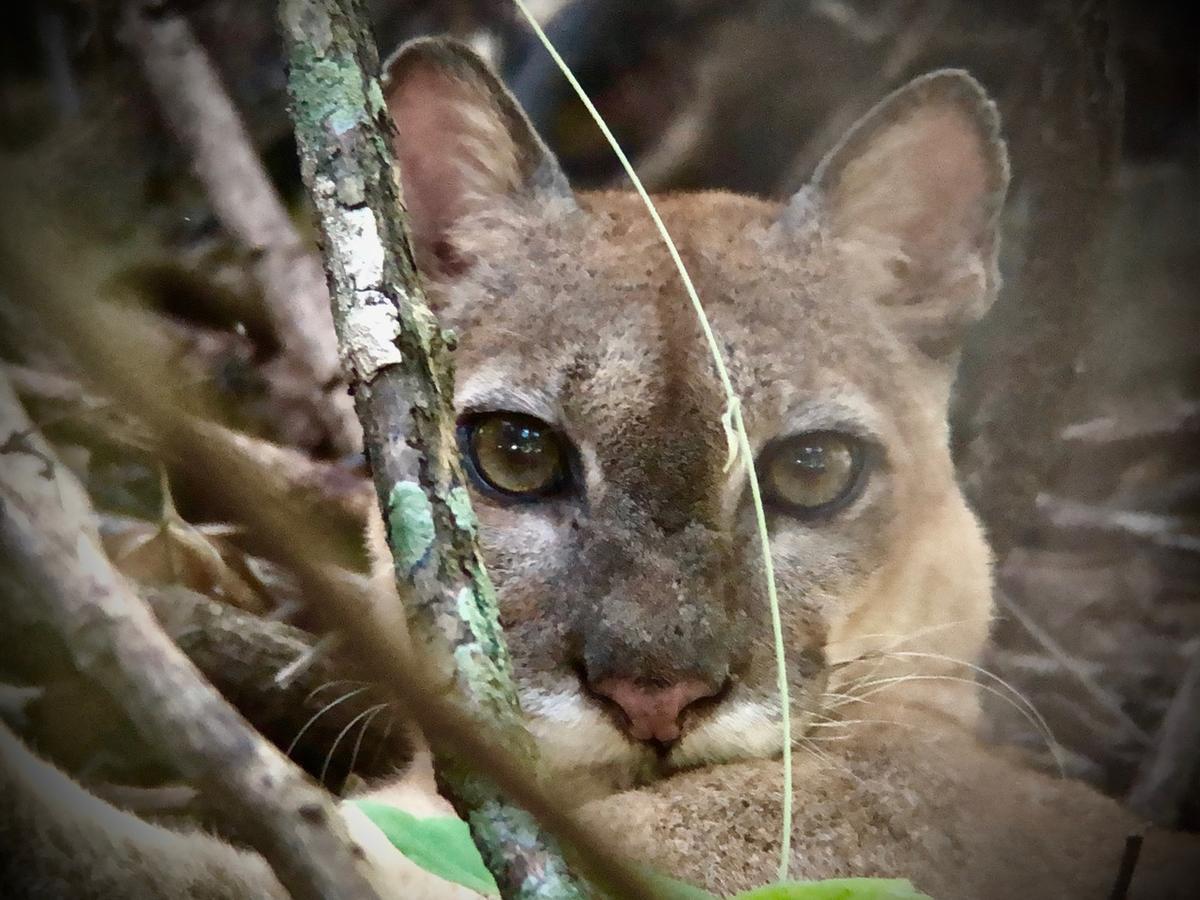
(579,734)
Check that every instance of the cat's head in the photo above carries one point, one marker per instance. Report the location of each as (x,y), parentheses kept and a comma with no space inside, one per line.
(619,533)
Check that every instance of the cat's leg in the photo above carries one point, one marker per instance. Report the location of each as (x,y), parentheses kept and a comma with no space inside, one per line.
(61,841)
(58,840)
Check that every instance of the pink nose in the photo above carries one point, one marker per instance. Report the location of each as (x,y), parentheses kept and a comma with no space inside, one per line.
(653,712)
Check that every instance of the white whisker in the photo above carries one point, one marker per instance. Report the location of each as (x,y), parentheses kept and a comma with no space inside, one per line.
(1034,718)
(320,712)
(312,694)
(341,734)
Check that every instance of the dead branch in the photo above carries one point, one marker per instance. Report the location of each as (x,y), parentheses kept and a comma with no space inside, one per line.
(1169,532)
(200,113)
(339,495)
(244,655)
(1169,777)
(49,537)
(1181,419)
(342,497)
(396,357)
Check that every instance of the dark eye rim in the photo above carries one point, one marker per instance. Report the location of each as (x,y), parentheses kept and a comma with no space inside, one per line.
(465,430)
(863,455)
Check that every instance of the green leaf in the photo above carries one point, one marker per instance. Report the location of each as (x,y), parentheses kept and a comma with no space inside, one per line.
(440,845)
(838,889)
(666,888)
(832,889)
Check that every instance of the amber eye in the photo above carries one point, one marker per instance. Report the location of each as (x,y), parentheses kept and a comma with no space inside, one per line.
(514,454)
(813,472)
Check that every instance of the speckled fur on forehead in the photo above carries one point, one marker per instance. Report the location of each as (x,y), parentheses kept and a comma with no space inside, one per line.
(583,302)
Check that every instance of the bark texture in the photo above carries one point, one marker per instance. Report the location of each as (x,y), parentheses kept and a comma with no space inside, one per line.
(398,362)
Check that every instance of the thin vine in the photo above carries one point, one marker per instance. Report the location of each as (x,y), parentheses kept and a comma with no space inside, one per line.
(731,421)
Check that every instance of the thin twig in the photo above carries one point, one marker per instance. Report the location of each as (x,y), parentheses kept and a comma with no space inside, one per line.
(1139,423)
(195,104)
(1129,860)
(1056,650)
(1170,532)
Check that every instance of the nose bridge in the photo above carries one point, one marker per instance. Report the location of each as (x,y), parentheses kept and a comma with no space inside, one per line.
(666,461)
(665,487)
(664,611)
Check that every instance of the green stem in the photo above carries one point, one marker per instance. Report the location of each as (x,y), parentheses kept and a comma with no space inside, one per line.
(732,422)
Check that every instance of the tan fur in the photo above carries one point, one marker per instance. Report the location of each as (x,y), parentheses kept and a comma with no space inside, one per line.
(841,310)
(933,806)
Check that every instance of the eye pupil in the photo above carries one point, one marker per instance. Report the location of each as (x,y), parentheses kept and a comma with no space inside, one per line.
(812,471)
(515,454)
(810,456)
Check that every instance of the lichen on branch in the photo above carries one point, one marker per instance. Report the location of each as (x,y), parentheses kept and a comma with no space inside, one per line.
(398,363)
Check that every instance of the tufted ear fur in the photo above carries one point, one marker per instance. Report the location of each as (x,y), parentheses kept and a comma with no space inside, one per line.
(462,142)
(912,196)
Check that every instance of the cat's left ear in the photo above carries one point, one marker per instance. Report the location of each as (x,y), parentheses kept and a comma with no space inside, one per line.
(463,145)
(912,197)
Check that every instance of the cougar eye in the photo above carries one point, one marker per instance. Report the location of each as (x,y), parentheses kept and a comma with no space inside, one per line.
(514,454)
(812,473)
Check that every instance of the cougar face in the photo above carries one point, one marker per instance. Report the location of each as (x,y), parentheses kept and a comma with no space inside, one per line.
(616,521)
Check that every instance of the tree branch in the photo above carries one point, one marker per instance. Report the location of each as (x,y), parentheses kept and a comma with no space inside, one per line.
(200,113)
(401,376)
(1086,519)
(243,655)
(48,535)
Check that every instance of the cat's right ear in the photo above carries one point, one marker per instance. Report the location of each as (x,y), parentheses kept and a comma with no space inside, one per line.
(463,144)
(913,194)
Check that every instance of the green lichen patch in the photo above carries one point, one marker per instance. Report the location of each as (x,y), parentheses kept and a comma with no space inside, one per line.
(459,502)
(495,825)
(327,93)
(410,526)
